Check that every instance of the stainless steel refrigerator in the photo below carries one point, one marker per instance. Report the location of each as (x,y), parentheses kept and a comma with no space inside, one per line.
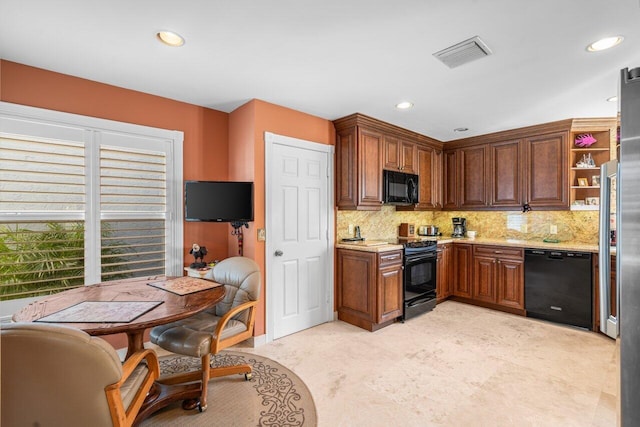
(620,211)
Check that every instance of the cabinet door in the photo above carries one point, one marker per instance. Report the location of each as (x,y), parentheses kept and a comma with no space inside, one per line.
(547,171)
(484,285)
(408,158)
(474,168)
(510,282)
(427,197)
(506,177)
(450,178)
(390,298)
(391,153)
(346,169)
(370,176)
(444,281)
(462,265)
(356,284)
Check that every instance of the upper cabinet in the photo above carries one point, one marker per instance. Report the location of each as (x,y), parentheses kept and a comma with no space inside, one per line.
(365,146)
(399,155)
(358,168)
(593,142)
(507,169)
(546,176)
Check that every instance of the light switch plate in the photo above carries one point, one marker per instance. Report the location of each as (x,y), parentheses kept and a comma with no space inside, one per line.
(262,234)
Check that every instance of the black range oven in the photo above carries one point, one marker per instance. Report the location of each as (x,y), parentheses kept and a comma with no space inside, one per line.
(419,264)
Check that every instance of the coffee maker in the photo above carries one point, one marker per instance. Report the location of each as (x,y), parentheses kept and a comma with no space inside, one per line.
(459,227)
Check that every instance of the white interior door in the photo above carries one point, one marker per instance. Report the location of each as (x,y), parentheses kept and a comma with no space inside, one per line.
(299,218)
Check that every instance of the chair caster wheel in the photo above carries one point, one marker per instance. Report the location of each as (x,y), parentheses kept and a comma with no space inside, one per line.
(248,376)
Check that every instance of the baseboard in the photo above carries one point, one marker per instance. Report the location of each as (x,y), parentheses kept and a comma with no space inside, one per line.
(258,341)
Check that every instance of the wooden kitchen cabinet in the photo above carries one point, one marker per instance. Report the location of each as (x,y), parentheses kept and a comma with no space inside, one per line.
(370,292)
(429,169)
(365,146)
(358,168)
(462,267)
(444,272)
(450,180)
(498,276)
(546,179)
(505,174)
(506,169)
(399,155)
(474,173)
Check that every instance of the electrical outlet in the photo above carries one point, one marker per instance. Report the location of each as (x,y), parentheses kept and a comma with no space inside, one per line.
(351,230)
(553,229)
(262,234)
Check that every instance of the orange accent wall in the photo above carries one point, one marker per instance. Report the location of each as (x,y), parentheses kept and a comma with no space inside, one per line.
(217,145)
(247,126)
(205,130)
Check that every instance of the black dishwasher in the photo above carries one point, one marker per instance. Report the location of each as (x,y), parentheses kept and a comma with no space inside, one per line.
(558,287)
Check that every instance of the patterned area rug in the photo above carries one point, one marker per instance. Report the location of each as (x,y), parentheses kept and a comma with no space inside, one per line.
(274,396)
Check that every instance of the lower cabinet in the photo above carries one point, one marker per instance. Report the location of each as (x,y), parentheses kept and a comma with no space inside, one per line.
(462,265)
(369,288)
(444,272)
(491,276)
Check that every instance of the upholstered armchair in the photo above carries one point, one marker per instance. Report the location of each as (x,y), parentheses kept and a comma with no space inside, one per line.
(227,323)
(54,375)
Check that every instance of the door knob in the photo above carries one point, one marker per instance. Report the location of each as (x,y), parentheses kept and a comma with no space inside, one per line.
(278,252)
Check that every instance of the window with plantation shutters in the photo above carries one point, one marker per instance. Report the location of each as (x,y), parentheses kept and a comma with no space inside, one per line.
(85,200)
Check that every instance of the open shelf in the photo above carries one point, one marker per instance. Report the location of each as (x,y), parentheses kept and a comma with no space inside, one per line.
(604,131)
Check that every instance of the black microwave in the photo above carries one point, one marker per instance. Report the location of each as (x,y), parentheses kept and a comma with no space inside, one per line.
(399,188)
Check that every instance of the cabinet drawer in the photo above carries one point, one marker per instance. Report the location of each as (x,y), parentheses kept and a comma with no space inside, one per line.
(498,251)
(389,258)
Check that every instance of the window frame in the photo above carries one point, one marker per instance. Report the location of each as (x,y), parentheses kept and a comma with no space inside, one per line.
(20,120)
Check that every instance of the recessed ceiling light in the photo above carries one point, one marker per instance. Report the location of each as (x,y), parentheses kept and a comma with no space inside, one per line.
(170,38)
(612,99)
(461,129)
(605,43)
(404,105)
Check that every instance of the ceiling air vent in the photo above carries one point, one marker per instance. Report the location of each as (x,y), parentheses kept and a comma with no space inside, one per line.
(463,52)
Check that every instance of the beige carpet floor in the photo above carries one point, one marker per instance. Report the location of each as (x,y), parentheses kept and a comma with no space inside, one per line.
(274,396)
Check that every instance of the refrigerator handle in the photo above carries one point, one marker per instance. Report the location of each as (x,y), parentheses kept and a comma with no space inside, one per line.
(608,323)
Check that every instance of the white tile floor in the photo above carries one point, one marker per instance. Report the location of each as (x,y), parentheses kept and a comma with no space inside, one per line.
(459,365)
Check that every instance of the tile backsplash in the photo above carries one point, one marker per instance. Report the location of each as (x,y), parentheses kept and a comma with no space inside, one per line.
(575,226)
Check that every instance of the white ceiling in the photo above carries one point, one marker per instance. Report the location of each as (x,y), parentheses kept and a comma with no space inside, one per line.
(331,58)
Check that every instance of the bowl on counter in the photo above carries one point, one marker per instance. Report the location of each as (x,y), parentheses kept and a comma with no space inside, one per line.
(471,234)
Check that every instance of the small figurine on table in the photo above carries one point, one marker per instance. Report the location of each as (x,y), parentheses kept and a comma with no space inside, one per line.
(198,253)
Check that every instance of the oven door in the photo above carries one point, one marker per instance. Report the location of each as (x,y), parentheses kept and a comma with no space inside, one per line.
(419,275)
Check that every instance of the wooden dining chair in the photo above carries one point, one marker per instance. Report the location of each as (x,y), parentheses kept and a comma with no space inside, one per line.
(55,375)
(229,322)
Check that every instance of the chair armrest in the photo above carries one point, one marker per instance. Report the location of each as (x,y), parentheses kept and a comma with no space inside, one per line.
(125,416)
(219,343)
(134,360)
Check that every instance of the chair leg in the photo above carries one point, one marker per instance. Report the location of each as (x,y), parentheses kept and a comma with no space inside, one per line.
(206,360)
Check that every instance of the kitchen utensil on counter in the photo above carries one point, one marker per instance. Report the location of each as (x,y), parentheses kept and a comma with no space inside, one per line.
(428,230)
(459,227)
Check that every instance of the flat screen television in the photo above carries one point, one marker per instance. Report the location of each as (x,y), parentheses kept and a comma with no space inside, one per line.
(218,201)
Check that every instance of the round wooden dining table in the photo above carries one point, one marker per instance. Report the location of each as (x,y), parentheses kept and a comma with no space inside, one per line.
(170,307)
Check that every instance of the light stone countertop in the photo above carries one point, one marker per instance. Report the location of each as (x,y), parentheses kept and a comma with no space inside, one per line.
(382,246)
(369,246)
